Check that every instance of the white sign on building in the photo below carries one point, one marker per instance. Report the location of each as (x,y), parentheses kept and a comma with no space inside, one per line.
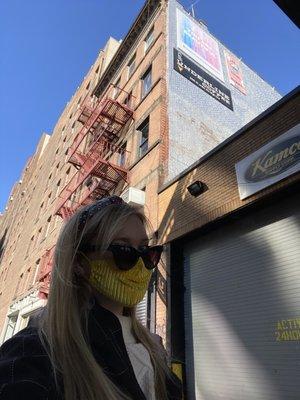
(273,162)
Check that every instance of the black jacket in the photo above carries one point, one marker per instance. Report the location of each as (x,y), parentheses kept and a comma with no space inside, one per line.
(26,373)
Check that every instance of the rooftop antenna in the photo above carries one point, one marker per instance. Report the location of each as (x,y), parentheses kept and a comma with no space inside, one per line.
(192,7)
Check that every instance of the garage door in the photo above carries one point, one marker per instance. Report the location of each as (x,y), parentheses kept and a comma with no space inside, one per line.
(141,310)
(242,308)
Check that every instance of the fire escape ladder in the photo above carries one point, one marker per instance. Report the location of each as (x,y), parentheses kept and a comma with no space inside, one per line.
(117,171)
(91,124)
(97,173)
(45,272)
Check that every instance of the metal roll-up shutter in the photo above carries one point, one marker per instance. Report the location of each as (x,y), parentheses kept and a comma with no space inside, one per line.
(141,310)
(242,307)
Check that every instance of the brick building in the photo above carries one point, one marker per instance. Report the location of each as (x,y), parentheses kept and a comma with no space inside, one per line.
(149,107)
(29,225)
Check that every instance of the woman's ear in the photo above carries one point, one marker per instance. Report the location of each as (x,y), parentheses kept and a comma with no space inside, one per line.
(82,267)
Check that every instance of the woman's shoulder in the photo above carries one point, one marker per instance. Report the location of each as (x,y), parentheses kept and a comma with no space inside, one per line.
(25,368)
(25,342)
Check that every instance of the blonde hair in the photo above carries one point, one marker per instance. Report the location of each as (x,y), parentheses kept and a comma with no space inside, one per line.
(63,329)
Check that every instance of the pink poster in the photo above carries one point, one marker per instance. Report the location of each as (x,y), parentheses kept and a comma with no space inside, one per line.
(198,44)
(235,72)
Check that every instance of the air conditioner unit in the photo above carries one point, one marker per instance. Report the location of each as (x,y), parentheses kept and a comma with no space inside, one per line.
(134,196)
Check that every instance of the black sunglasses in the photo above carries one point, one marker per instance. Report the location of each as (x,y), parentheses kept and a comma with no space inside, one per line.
(127,256)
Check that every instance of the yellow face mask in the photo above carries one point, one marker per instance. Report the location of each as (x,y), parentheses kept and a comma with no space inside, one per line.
(125,287)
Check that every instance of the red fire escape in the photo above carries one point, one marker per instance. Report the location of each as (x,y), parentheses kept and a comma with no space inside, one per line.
(95,153)
(45,273)
(97,156)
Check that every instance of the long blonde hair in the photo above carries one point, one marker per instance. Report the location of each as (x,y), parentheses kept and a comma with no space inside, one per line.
(63,326)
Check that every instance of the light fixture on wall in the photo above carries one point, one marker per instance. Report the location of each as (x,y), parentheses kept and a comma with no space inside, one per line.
(197,188)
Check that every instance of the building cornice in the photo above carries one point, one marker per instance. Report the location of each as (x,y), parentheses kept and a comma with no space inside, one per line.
(147,11)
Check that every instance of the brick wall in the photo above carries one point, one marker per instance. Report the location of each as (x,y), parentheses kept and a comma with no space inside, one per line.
(180,213)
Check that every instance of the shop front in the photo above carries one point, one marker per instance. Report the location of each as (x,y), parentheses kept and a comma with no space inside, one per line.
(234,287)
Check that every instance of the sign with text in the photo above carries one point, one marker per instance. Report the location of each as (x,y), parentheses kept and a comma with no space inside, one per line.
(234,70)
(198,44)
(203,80)
(273,162)
(287,330)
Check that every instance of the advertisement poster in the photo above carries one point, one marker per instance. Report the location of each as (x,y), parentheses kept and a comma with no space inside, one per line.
(198,44)
(202,79)
(234,72)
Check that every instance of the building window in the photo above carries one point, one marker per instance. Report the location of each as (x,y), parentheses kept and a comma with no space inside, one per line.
(143,130)
(149,39)
(128,100)
(67,177)
(97,69)
(11,324)
(146,82)
(131,66)
(36,270)
(30,246)
(122,159)
(18,289)
(48,227)
(88,86)
(57,188)
(48,200)
(78,103)
(37,238)
(40,210)
(117,88)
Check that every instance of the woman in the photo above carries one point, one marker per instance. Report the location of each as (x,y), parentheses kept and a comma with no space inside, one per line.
(87,343)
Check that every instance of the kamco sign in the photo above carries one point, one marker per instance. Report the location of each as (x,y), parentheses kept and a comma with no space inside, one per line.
(271,163)
(274,161)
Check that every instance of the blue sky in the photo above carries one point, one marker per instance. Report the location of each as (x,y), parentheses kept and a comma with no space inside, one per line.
(47,46)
